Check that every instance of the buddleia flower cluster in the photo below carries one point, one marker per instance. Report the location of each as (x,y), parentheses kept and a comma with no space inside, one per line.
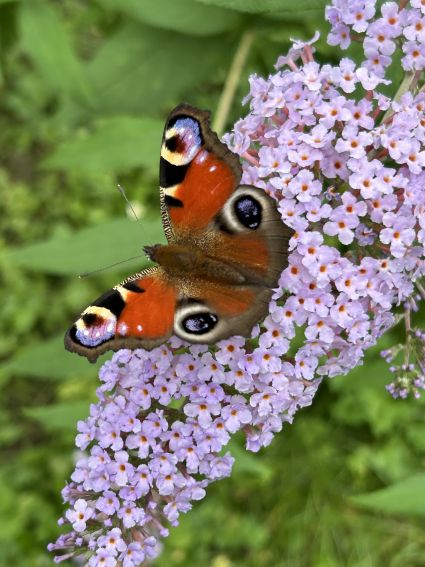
(346,165)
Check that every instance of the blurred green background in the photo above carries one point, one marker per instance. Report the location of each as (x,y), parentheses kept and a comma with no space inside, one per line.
(85,88)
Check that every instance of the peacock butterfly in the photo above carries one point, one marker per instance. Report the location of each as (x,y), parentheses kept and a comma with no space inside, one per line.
(226,248)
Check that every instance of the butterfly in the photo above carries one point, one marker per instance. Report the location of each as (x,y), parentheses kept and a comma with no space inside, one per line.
(226,248)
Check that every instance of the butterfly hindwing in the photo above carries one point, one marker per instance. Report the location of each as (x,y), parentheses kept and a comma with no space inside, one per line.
(248,234)
(216,310)
(138,313)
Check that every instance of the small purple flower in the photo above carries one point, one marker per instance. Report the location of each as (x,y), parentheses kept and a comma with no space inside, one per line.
(305,365)
(86,434)
(342,226)
(121,469)
(340,35)
(380,37)
(131,515)
(143,479)
(102,558)
(108,503)
(333,111)
(236,414)
(319,327)
(414,58)
(154,424)
(163,463)
(354,142)
(167,483)
(399,237)
(110,436)
(202,410)
(164,390)
(81,513)
(112,541)
(393,19)
(133,556)
(303,186)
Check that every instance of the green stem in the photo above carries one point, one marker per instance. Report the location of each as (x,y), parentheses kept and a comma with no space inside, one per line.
(232,80)
(408,335)
(421,289)
(405,85)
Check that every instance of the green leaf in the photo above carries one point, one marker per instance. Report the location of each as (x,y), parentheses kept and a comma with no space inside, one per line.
(185,16)
(372,372)
(92,248)
(116,144)
(45,39)
(249,464)
(267,6)
(49,360)
(59,416)
(142,70)
(406,497)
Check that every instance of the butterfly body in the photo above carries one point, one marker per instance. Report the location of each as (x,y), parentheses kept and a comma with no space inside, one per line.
(226,249)
(185,261)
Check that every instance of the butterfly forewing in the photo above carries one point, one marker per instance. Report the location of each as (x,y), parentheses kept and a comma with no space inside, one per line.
(198,173)
(138,313)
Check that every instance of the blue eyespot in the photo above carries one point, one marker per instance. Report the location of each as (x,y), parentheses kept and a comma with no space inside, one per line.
(248,211)
(199,323)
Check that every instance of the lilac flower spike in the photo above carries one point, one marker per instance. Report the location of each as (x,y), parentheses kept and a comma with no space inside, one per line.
(348,174)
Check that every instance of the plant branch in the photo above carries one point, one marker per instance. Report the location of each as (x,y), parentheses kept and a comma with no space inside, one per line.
(232,80)
(408,335)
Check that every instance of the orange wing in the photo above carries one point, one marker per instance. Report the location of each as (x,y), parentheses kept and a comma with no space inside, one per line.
(198,173)
(138,313)
(144,312)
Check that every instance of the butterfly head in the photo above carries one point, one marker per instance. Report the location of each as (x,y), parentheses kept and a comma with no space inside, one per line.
(175,258)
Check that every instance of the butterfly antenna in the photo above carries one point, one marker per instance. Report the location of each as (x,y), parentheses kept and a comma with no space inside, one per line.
(122,191)
(86,274)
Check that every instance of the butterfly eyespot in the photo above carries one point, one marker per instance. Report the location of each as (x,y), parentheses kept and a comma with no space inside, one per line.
(92,319)
(172,143)
(248,211)
(245,210)
(200,323)
(196,323)
(182,141)
(95,326)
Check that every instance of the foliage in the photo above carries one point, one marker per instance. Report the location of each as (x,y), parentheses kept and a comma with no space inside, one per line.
(85,89)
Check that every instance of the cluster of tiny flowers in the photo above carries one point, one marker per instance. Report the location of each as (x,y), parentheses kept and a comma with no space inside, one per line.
(401,26)
(407,361)
(155,440)
(348,175)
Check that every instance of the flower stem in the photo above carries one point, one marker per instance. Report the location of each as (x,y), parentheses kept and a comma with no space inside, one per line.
(405,85)
(408,335)
(230,86)
(421,289)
